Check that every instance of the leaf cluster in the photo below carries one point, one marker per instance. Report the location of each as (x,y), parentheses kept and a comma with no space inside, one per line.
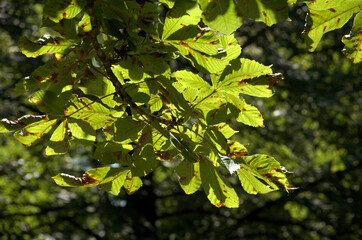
(110,85)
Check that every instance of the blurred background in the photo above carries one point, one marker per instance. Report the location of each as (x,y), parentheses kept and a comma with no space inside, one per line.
(312,126)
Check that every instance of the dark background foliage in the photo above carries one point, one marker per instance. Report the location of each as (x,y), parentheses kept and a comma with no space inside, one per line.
(312,126)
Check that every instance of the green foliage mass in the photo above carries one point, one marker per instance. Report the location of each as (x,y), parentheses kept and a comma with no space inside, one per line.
(110,85)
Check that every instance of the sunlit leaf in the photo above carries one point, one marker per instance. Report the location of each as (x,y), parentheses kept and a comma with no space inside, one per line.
(35,131)
(266,169)
(132,184)
(57,10)
(326,16)
(58,143)
(7,125)
(81,130)
(114,186)
(353,41)
(217,190)
(45,45)
(88,111)
(189,176)
(90,178)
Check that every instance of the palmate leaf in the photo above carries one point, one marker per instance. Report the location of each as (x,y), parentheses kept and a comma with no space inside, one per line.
(90,178)
(45,45)
(353,41)
(217,190)
(326,16)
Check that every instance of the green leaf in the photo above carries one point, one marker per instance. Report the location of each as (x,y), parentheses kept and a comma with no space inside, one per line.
(325,16)
(196,39)
(189,176)
(35,131)
(127,128)
(114,186)
(217,115)
(7,125)
(58,144)
(190,79)
(184,13)
(132,184)
(268,11)
(88,111)
(237,150)
(252,184)
(90,178)
(81,130)
(183,148)
(57,10)
(66,28)
(265,168)
(246,113)
(231,46)
(240,73)
(227,16)
(52,76)
(49,102)
(110,152)
(144,158)
(353,41)
(45,45)
(169,3)
(221,15)
(217,190)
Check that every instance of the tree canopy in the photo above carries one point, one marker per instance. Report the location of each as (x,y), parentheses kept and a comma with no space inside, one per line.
(115,84)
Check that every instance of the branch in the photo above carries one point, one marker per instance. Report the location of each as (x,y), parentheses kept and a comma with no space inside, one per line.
(120,90)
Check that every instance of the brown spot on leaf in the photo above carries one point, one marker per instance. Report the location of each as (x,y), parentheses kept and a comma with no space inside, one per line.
(265,15)
(238,154)
(324,29)
(332,10)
